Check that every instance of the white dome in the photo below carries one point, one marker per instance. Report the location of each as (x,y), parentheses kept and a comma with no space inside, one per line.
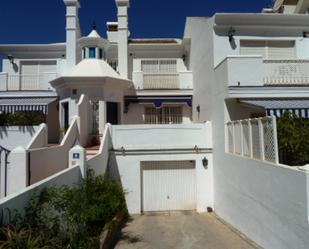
(93,68)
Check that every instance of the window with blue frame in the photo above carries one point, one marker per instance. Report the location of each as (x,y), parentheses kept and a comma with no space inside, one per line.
(92,53)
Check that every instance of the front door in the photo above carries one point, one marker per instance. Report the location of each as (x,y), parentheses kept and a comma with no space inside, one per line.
(65,115)
(112,113)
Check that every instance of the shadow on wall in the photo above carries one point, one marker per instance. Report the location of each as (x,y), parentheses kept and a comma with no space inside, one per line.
(5,130)
(239,111)
(113,168)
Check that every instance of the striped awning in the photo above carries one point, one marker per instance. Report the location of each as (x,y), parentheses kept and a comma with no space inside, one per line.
(157,101)
(12,105)
(276,107)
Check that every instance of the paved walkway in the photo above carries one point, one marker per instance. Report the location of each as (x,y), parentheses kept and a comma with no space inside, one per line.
(180,231)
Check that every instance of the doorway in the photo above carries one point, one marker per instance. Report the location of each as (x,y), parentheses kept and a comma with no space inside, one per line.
(112,113)
(65,115)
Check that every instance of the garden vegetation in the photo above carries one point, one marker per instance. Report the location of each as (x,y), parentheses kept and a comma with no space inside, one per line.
(66,217)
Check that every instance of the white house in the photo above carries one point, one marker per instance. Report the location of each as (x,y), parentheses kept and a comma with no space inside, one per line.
(175,117)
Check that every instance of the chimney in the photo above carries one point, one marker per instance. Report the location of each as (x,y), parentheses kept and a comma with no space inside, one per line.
(72,32)
(123,6)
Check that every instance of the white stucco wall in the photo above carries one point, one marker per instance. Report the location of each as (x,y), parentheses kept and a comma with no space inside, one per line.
(18,201)
(128,170)
(175,136)
(13,136)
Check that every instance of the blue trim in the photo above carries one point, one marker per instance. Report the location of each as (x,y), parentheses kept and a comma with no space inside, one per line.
(157,101)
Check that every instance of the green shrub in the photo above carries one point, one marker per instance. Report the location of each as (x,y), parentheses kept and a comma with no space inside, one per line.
(75,216)
(21,118)
(66,217)
(293,139)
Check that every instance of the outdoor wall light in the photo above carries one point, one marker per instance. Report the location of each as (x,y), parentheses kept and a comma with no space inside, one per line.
(231,34)
(205,163)
(11,58)
(198,108)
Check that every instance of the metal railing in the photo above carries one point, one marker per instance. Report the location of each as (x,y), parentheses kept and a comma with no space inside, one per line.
(4,154)
(26,82)
(253,138)
(161,81)
(286,72)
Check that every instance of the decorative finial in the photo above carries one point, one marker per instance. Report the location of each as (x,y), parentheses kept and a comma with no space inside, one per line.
(94,26)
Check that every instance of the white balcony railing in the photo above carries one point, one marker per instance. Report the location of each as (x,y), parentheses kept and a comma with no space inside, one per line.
(286,72)
(255,71)
(161,81)
(178,80)
(26,82)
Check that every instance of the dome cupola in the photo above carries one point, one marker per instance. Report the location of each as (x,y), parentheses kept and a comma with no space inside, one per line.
(94,46)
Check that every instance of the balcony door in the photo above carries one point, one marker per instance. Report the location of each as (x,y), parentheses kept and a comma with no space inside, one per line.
(271,50)
(35,75)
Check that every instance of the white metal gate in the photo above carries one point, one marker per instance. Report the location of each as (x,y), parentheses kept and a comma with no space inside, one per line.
(168,185)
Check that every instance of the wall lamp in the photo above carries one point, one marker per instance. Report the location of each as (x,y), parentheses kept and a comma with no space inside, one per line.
(205,163)
(11,58)
(198,109)
(231,34)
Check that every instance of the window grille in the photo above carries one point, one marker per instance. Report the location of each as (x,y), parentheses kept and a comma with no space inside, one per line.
(164,115)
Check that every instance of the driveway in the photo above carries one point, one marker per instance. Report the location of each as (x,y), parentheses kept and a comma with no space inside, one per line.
(180,231)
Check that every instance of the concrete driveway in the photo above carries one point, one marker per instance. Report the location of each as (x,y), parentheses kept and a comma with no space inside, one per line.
(180,231)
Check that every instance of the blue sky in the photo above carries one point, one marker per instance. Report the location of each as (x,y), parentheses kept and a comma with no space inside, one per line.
(43,21)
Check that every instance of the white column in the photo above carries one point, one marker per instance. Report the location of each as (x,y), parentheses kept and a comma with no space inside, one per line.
(17,171)
(77,156)
(123,6)
(102,116)
(72,27)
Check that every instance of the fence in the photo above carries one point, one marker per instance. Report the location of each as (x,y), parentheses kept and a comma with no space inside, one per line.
(254,138)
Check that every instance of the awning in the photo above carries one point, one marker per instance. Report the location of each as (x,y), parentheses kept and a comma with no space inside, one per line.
(157,101)
(276,107)
(39,104)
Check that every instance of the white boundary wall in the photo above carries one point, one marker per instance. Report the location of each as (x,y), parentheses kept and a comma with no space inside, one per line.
(162,136)
(267,202)
(13,136)
(99,162)
(19,200)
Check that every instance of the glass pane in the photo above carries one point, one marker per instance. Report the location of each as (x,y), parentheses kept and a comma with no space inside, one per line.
(91,52)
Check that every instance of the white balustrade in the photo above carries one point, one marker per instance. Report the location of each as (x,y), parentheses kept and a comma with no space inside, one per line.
(161,81)
(286,72)
(26,82)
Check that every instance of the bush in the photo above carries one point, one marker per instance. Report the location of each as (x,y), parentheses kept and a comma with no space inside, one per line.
(21,118)
(73,217)
(293,139)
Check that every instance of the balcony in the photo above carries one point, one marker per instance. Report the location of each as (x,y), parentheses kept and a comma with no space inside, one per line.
(248,71)
(286,72)
(148,81)
(23,82)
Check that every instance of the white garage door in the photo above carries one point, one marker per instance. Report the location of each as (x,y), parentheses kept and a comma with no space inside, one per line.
(168,186)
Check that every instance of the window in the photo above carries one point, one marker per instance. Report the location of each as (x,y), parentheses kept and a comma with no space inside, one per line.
(159,66)
(92,53)
(269,49)
(164,115)
(101,53)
